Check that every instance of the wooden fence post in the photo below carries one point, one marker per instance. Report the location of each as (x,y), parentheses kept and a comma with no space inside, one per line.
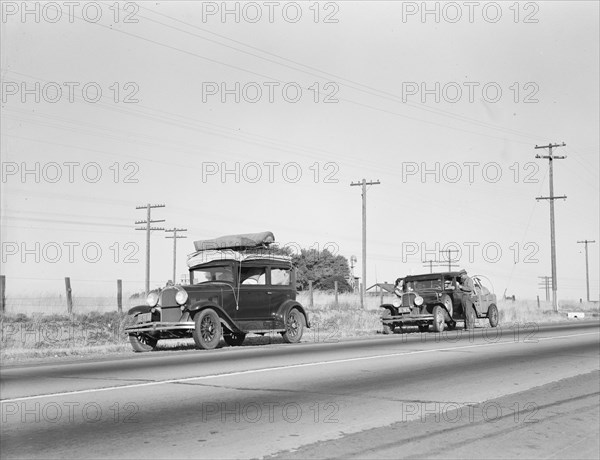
(335,287)
(2,293)
(538,301)
(120,296)
(310,294)
(69,296)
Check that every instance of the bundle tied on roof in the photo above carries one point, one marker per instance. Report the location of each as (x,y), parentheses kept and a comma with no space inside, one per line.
(238,242)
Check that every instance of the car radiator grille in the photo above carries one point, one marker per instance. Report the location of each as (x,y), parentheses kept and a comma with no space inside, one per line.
(408,300)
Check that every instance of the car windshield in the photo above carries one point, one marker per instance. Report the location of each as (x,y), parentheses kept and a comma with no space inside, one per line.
(204,274)
(427,284)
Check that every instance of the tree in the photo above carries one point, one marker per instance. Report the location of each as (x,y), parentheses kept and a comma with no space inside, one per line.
(323,268)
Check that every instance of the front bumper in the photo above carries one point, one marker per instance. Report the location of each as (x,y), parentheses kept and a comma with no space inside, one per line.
(407,318)
(152,326)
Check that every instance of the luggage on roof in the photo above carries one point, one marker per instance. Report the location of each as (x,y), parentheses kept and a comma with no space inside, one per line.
(239,241)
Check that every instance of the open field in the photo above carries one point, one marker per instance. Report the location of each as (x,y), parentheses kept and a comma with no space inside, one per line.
(45,330)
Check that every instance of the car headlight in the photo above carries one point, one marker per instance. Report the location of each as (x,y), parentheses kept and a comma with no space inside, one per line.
(418,300)
(396,303)
(152,299)
(181,296)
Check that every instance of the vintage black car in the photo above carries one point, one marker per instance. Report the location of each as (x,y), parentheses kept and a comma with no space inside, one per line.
(237,286)
(437,299)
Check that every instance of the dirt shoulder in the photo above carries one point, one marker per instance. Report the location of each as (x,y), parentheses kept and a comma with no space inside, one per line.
(558,420)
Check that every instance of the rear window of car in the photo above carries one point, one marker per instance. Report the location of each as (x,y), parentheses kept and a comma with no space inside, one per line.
(280,276)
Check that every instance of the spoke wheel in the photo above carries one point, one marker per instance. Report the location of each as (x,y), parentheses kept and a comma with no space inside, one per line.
(493,315)
(208,331)
(142,343)
(294,327)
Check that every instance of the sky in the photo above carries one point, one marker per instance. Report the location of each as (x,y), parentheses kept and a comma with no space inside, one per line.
(256,116)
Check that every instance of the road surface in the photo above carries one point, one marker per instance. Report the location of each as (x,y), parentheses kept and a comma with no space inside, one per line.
(530,392)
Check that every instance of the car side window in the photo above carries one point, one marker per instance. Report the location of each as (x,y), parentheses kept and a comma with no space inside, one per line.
(280,276)
(253,275)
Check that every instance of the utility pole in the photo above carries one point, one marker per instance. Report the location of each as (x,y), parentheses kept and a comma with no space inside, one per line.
(545,285)
(430,263)
(148,207)
(550,157)
(587,273)
(364,184)
(174,238)
(449,253)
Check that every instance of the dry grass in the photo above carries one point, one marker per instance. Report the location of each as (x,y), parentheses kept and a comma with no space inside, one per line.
(56,304)
(43,333)
(38,336)
(524,311)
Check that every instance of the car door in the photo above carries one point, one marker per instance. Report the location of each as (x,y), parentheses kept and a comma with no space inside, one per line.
(480,297)
(280,287)
(253,312)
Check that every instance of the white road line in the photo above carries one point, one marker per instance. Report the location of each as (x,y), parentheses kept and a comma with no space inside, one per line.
(278,368)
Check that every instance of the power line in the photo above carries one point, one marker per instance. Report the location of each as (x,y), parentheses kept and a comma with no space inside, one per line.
(171,47)
(369,89)
(451,263)
(550,157)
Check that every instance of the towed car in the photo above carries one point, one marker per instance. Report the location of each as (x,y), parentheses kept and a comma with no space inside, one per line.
(237,286)
(438,300)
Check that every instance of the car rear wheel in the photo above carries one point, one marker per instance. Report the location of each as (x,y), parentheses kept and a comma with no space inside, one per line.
(142,343)
(234,339)
(439,318)
(207,333)
(493,315)
(470,317)
(294,327)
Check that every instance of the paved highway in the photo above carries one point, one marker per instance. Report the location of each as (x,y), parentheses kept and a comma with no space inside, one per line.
(493,393)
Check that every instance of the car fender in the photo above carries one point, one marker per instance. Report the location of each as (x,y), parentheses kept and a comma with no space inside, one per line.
(388,306)
(225,318)
(484,314)
(134,311)
(285,308)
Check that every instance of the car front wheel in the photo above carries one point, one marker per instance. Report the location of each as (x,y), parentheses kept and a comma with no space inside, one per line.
(207,333)
(493,315)
(294,327)
(142,343)
(447,301)
(439,318)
